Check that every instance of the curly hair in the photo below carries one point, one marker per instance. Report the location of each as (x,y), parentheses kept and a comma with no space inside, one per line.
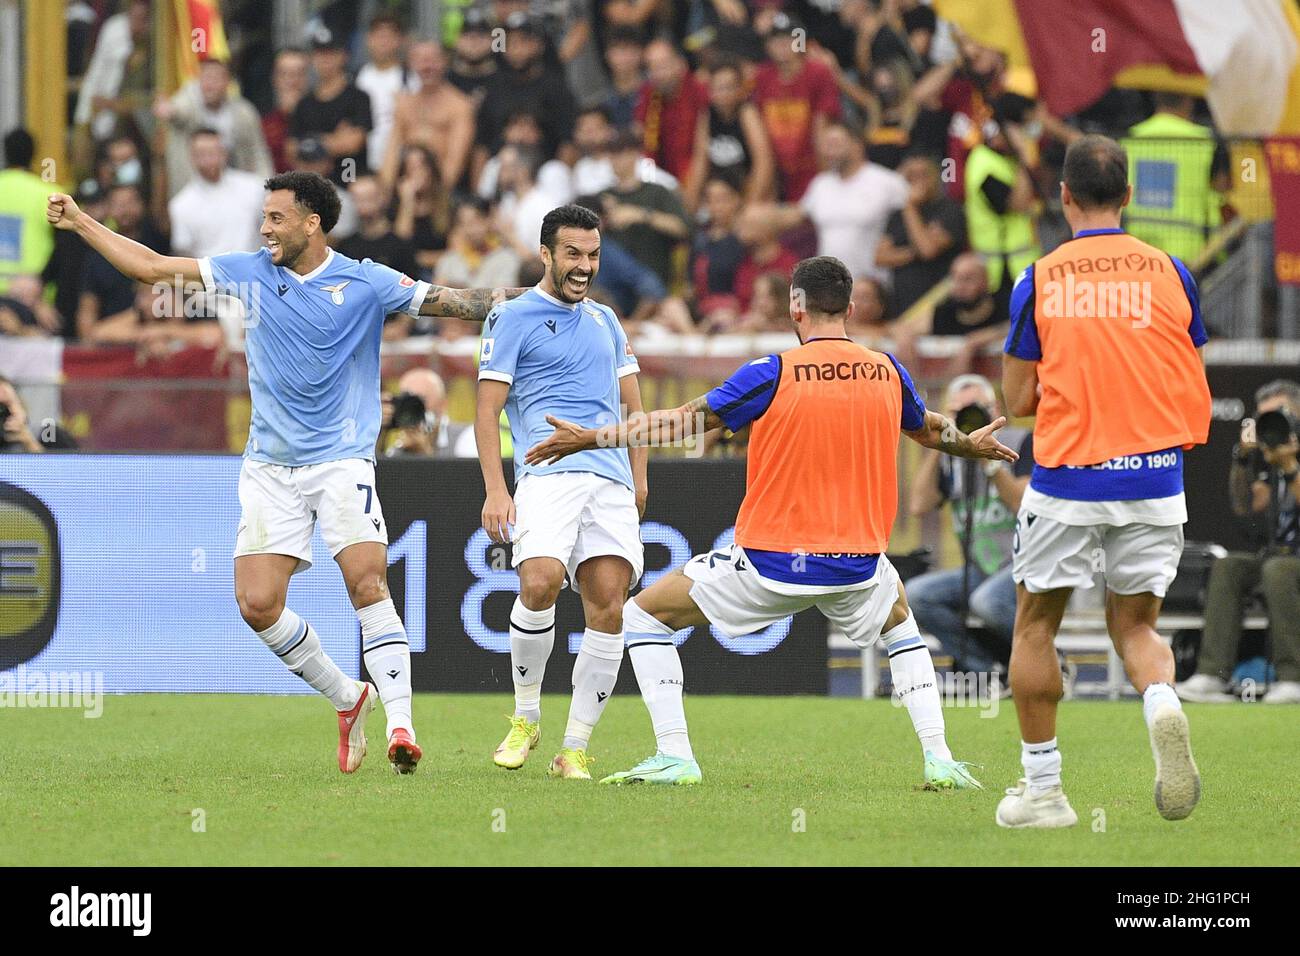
(311,191)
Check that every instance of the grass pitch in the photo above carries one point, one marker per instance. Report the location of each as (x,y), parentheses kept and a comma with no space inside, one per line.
(259,774)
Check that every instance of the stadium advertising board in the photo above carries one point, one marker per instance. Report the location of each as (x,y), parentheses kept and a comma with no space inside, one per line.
(121,565)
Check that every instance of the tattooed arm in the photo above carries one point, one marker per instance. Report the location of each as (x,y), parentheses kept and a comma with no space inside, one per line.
(940,432)
(665,426)
(470,304)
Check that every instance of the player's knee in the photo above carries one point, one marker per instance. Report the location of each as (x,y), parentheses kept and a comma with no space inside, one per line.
(538,593)
(1280,573)
(368,589)
(606,617)
(260,607)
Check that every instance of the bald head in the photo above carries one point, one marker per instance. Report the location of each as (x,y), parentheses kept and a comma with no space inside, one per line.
(427,384)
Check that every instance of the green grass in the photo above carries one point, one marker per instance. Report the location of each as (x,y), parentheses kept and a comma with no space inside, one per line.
(122,789)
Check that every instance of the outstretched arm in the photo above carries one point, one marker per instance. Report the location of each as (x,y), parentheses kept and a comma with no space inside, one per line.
(939,431)
(470,304)
(665,426)
(127,256)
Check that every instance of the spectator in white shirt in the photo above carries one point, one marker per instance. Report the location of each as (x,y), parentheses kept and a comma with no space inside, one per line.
(523,203)
(383,78)
(524,129)
(593,133)
(209,102)
(849,202)
(220,209)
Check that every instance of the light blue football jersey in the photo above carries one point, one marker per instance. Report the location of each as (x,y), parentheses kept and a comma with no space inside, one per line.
(559,359)
(312,344)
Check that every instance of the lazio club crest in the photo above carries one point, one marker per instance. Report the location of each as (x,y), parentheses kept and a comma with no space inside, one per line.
(336,291)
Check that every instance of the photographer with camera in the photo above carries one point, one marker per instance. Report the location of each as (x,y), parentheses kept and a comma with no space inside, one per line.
(1264,480)
(415,419)
(985,499)
(15,432)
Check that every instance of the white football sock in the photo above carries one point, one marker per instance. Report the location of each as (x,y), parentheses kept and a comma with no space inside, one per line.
(594,675)
(294,642)
(1158,695)
(915,684)
(532,635)
(388,659)
(659,675)
(1042,763)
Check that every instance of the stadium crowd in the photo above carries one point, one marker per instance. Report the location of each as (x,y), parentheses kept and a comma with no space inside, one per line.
(720,141)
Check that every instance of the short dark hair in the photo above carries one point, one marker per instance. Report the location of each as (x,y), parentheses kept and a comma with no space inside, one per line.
(477,203)
(312,191)
(725,62)
(19,148)
(1096,172)
(386,19)
(571,215)
(628,36)
(600,109)
(825,283)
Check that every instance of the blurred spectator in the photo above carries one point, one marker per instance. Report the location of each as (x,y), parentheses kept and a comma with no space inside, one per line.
(334,113)
(16,435)
(718,250)
(422,213)
(554,178)
(289,83)
(970,310)
(923,238)
(769,304)
(631,289)
(669,108)
(569,23)
(525,85)
(593,136)
(196,231)
(871,307)
(1000,203)
(472,63)
(1172,165)
(416,420)
(375,238)
(26,239)
(624,57)
(476,257)
(645,218)
(208,103)
(995,491)
(523,203)
(118,85)
(730,138)
(891,114)
(630,14)
(796,95)
(849,203)
(764,254)
(66,270)
(964,89)
(106,293)
(163,321)
(24,311)
(382,78)
(438,118)
(1264,480)
(121,161)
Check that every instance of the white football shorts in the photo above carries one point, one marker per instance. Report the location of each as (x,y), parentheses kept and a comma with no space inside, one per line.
(1133,558)
(281,505)
(738,600)
(575,515)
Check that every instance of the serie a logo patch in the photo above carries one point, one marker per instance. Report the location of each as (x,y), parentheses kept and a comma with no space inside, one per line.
(29,576)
